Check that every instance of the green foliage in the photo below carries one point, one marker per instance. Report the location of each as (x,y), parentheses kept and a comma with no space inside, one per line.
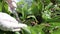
(49,10)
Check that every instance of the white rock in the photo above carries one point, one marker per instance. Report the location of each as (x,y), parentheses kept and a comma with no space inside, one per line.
(8,23)
(13,4)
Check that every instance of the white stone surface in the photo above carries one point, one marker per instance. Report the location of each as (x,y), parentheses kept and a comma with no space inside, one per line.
(8,23)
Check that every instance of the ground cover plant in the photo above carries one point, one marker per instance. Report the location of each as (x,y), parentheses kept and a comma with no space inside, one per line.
(41,16)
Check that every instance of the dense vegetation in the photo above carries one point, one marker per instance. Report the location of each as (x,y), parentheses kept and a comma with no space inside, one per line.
(41,16)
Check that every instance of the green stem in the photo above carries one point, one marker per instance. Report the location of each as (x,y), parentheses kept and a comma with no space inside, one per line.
(17,33)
